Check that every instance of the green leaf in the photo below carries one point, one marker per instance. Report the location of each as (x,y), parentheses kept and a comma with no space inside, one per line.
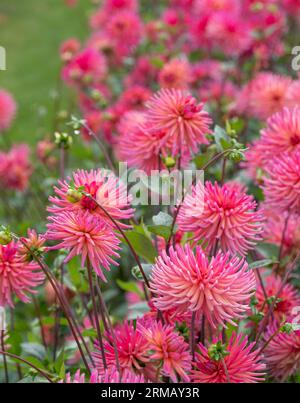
(129,286)
(261,263)
(135,271)
(222,140)
(59,365)
(160,230)
(34,350)
(142,245)
(163,219)
(92,333)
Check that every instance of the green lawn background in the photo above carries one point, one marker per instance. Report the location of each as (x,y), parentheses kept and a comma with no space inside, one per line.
(31,32)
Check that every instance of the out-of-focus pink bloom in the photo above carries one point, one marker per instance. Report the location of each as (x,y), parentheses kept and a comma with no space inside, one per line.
(282,186)
(94,97)
(283,229)
(125,31)
(288,297)
(264,95)
(223,216)
(134,98)
(104,186)
(180,117)
(143,73)
(69,48)
(132,349)
(86,68)
(15,168)
(17,277)
(85,235)
(282,355)
(218,91)
(243,364)
(218,289)
(175,74)
(44,152)
(8,109)
(169,350)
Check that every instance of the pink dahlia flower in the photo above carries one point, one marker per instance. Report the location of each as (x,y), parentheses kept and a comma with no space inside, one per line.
(175,74)
(15,168)
(86,235)
(132,349)
(282,186)
(87,67)
(168,350)
(242,363)
(16,276)
(293,93)
(282,355)
(77,378)
(282,134)
(179,116)
(134,98)
(7,110)
(113,376)
(221,216)
(289,297)
(265,95)
(218,289)
(144,148)
(104,186)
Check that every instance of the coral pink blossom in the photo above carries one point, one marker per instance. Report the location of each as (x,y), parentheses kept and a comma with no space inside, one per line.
(293,94)
(282,186)
(104,186)
(289,298)
(180,116)
(132,349)
(265,94)
(85,235)
(7,110)
(69,48)
(219,289)
(282,355)
(113,376)
(282,134)
(175,74)
(16,276)
(169,350)
(87,67)
(242,363)
(77,378)
(15,168)
(223,216)
(134,97)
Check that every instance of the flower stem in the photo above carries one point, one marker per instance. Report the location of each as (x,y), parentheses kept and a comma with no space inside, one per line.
(4,357)
(95,313)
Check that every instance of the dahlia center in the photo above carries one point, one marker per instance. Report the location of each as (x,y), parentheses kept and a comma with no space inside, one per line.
(86,202)
(295,139)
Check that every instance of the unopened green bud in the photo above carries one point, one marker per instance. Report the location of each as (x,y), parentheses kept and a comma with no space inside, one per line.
(74,195)
(217,351)
(287,328)
(63,140)
(169,162)
(236,156)
(5,236)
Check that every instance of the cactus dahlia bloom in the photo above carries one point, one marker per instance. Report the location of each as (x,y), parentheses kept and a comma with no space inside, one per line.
(282,186)
(109,376)
(282,356)
(242,364)
(282,134)
(132,349)
(104,186)
(7,110)
(218,289)
(288,298)
(16,276)
(180,116)
(87,235)
(169,350)
(221,215)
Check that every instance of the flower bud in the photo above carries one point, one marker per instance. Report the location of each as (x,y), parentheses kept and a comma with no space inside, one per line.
(74,195)
(169,162)
(5,236)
